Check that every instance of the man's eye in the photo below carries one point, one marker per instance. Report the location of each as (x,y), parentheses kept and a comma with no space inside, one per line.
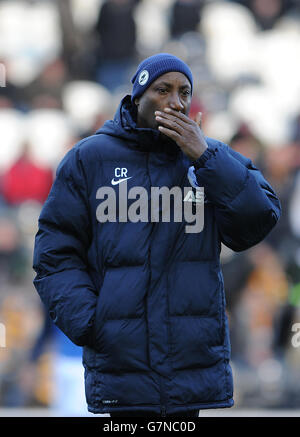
(162,90)
(186,93)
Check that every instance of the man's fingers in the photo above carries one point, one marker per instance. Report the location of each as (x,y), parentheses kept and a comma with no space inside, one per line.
(179,116)
(169,132)
(169,123)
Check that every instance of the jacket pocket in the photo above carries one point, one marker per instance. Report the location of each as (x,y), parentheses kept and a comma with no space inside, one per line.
(121,297)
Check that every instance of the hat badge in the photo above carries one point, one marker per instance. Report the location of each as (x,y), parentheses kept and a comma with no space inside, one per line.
(143,77)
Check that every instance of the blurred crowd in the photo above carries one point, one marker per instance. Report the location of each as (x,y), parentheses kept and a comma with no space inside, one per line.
(65,65)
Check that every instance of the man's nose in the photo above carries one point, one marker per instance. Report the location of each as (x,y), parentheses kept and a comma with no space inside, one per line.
(175,102)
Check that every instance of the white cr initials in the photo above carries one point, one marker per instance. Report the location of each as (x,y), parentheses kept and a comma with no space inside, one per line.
(121,172)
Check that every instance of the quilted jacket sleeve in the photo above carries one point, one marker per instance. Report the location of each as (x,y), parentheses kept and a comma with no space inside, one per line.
(60,253)
(246,206)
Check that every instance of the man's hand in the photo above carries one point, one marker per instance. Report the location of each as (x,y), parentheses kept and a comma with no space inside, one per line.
(184,131)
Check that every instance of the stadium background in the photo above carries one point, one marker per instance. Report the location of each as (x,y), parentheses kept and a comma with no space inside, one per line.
(64,66)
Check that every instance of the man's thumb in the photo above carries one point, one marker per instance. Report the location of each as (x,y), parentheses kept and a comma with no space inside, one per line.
(199,118)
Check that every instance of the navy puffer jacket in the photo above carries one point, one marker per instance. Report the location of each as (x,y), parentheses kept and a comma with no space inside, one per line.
(146,299)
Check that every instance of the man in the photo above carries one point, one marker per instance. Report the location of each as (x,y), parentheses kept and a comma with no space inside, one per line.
(144,296)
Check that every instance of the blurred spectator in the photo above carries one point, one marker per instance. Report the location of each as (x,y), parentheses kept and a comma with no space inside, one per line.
(24,180)
(185,17)
(9,93)
(6,102)
(266,292)
(246,143)
(116,30)
(45,91)
(256,289)
(280,168)
(20,314)
(77,46)
(13,258)
(267,12)
(66,395)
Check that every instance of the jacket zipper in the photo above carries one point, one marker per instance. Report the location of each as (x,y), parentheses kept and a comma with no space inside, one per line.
(163,408)
(162,397)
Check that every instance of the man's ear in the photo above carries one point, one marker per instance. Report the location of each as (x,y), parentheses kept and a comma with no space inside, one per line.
(137,101)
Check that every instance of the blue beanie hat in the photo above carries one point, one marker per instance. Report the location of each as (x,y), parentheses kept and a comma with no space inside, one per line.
(153,67)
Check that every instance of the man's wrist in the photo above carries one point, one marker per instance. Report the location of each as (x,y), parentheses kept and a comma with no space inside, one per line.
(199,162)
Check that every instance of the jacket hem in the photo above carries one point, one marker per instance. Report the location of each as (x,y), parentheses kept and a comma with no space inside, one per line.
(157,408)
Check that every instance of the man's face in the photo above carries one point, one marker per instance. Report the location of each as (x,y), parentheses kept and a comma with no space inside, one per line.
(171,90)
